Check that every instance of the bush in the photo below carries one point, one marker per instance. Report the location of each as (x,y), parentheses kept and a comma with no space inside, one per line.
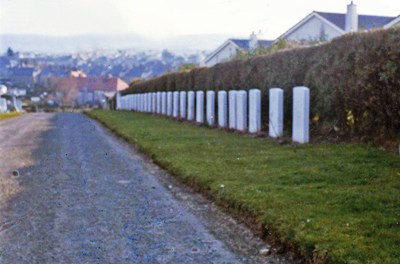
(354,82)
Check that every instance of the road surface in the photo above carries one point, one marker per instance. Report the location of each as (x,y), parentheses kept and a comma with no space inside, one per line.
(70,192)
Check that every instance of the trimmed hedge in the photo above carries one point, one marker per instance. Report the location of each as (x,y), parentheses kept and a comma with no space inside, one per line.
(354,82)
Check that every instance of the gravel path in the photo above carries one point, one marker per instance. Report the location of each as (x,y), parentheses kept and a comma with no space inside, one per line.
(83,196)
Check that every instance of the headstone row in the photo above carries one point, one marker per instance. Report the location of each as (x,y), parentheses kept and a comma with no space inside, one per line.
(237,109)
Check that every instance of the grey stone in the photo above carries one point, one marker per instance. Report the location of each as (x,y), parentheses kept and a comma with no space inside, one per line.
(200,107)
(222,109)
(210,108)
(254,111)
(232,109)
(191,112)
(301,114)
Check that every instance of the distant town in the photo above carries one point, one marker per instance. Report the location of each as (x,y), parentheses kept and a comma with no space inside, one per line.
(79,79)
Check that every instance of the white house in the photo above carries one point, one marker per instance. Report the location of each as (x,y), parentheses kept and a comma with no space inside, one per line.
(322,26)
(232,47)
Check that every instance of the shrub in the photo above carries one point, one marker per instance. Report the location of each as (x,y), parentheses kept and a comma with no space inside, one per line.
(354,82)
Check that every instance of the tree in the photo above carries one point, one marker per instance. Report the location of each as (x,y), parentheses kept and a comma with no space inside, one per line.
(10,52)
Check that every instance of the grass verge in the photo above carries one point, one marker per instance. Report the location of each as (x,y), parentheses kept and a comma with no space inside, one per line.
(9,115)
(327,203)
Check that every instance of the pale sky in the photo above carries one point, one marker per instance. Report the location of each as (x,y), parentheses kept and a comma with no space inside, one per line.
(158,19)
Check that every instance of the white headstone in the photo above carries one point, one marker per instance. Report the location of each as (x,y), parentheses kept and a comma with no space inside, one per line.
(149,103)
(158,110)
(232,109)
(182,102)
(301,114)
(200,107)
(241,110)
(222,109)
(169,103)
(175,111)
(190,109)
(153,102)
(150,99)
(275,112)
(254,111)
(210,110)
(164,103)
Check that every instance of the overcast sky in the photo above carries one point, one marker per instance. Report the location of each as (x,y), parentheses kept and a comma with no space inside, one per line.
(158,19)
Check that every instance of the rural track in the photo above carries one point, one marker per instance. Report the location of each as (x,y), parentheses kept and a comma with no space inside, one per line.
(81,195)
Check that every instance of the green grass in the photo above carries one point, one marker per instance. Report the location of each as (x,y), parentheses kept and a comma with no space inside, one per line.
(9,115)
(337,203)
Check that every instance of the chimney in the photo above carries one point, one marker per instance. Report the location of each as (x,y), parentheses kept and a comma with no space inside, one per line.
(351,18)
(253,43)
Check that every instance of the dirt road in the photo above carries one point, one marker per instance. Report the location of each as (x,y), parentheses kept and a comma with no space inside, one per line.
(84,196)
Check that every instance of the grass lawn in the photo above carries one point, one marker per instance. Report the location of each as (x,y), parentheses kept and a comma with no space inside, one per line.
(336,203)
(9,115)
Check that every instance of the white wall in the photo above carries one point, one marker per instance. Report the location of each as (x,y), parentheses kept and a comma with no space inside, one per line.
(311,30)
(226,53)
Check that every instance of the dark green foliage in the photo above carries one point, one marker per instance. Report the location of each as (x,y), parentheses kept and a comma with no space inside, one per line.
(354,82)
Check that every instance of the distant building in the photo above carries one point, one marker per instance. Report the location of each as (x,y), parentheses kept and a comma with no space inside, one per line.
(86,90)
(22,76)
(4,65)
(322,26)
(232,47)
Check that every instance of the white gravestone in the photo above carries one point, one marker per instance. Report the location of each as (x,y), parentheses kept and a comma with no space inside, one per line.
(222,109)
(149,101)
(275,112)
(241,110)
(254,111)
(210,110)
(301,114)
(182,102)
(153,102)
(164,103)
(169,103)
(143,103)
(200,107)
(175,111)
(158,103)
(232,109)
(190,111)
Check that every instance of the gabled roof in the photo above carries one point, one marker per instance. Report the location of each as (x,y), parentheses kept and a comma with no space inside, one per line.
(364,21)
(242,44)
(245,43)
(392,22)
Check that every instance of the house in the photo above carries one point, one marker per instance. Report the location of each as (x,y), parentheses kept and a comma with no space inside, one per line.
(22,75)
(232,47)
(322,26)
(86,90)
